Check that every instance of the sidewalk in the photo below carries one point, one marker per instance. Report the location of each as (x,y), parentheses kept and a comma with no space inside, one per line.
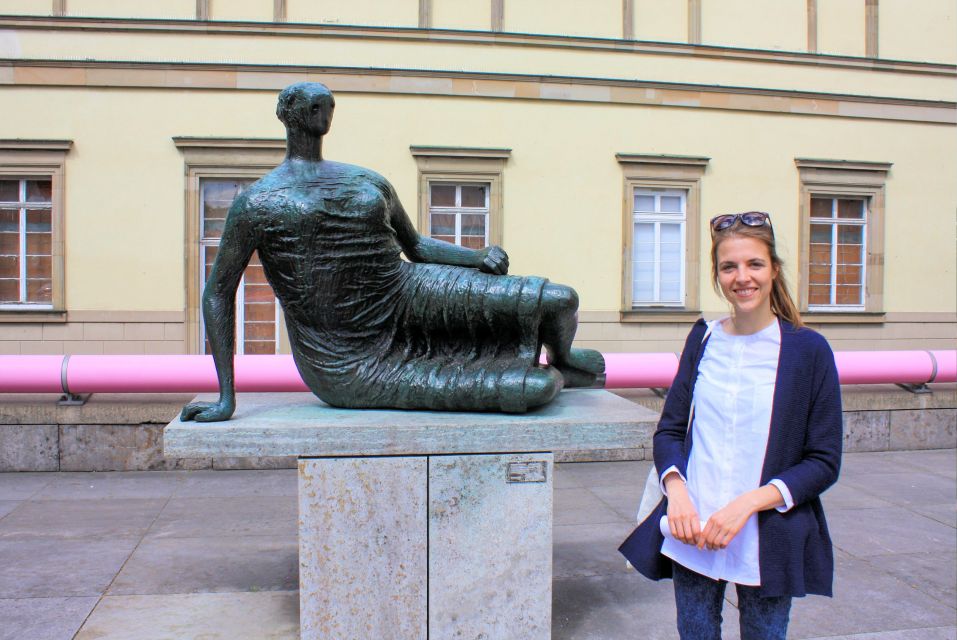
(213,554)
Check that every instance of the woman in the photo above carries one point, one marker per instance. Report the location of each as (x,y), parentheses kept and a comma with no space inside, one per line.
(749,438)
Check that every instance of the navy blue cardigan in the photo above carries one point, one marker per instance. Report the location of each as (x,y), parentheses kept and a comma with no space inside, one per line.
(804,451)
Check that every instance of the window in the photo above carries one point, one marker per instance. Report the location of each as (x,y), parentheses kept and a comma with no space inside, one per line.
(842,237)
(218,170)
(26,242)
(836,265)
(658,253)
(257,322)
(458,213)
(460,194)
(661,213)
(31,227)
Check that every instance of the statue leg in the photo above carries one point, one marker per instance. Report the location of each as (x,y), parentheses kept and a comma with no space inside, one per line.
(579,367)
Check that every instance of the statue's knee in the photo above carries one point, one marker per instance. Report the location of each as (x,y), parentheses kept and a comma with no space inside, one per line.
(560,298)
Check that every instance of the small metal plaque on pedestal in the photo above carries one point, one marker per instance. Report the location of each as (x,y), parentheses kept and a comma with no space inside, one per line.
(530,471)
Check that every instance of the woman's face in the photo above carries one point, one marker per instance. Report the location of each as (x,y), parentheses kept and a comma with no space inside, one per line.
(745,275)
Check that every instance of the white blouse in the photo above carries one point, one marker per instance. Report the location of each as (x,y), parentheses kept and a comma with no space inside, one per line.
(733,398)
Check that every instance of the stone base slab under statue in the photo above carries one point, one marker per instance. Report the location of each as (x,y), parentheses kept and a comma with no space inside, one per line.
(421,524)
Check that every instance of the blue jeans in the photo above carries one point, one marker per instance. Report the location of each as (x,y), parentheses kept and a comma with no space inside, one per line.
(699,600)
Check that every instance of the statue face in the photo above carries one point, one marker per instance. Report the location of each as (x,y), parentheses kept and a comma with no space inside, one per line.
(306,107)
(317,112)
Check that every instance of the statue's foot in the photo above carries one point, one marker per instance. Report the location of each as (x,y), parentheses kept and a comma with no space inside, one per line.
(582,368)
(537,386)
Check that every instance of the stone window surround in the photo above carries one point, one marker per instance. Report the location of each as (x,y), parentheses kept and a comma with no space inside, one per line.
(218,158)
(862,179)
(462,164)
(41,159)
(662,172)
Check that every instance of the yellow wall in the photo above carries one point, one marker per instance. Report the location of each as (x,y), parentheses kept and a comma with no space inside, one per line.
(597,18)
(781,24)
(908,30)
(26,7)
(127,9)
(501,58)
(395,13)
(475,15)
(254,10)
(840,27)
(918,31)
(661,20)
(125,203)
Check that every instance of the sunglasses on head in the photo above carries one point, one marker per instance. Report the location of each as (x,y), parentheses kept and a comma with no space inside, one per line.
(749,218)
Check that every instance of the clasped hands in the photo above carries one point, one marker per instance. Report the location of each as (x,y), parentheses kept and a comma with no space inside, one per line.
(721,527)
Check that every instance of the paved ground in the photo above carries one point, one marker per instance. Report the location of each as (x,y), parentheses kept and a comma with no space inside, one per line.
(212,554)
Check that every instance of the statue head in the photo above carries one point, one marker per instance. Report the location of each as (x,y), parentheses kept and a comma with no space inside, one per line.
(306,107)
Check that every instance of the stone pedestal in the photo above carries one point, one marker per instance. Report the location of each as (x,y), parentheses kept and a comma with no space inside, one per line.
(421,524)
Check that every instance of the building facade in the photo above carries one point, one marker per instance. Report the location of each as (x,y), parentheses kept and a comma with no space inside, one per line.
(594,141)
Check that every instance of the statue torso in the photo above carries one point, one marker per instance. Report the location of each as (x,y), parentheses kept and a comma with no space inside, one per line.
(326,244)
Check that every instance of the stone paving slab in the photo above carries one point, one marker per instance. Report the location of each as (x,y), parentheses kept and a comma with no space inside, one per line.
(866,599)
(622,499)
(209,616)
(43,618)
(892,583)
(936,633)
(938,461)
(22,486)
(583,550)
(232,516)
(52,567)
(218,484)
(6,506)
(110,485)
(210,565)
(122,518)
(907,488)
(943,513)
(874,532)
(579,506)
(844,496)
(618,605)
(930,573)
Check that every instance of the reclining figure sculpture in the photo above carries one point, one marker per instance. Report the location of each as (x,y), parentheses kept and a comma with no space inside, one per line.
(445,330)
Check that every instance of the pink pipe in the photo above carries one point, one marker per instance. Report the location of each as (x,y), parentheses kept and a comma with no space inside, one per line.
(183,373)
(625,371)
(142,374)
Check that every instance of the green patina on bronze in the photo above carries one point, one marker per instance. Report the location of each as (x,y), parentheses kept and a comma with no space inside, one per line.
(445,330)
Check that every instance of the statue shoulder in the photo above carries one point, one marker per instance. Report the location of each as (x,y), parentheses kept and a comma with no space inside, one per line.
(360,173)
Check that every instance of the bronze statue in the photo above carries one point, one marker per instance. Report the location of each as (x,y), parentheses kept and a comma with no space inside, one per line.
(446,330)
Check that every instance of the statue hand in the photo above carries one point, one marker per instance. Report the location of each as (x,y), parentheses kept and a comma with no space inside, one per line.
(208,411)
(494,260)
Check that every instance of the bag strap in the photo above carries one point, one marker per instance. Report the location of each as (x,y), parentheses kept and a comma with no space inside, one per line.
(706,335)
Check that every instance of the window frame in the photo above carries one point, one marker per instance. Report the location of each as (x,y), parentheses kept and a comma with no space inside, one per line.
(864,180)
(222,159)
(657,218)
(836,223)
(31,160)
(669,172)
(460,165)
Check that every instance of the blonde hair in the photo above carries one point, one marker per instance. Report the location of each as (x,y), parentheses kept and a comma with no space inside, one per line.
(782,304)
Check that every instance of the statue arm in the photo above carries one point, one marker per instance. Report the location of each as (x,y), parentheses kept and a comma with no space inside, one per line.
(419,248)
(219,314)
